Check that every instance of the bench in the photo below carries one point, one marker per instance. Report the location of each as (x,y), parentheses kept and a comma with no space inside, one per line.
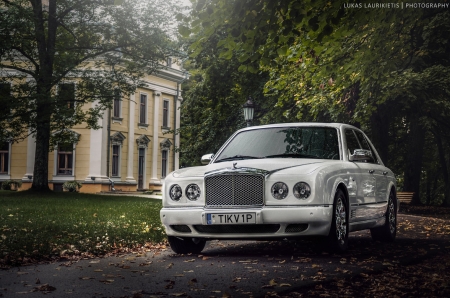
(405,197)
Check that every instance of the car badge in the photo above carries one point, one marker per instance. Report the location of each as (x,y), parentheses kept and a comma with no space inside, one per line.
(234,165)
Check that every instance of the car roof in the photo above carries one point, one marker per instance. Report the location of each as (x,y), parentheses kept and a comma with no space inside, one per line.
(299,124)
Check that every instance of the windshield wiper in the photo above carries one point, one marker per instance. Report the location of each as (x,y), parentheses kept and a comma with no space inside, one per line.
(292,155)
(238,157)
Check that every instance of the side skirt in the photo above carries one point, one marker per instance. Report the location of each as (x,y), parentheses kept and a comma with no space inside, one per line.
(367,224)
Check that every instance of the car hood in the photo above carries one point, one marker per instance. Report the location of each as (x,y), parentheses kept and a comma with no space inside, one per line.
(266,166)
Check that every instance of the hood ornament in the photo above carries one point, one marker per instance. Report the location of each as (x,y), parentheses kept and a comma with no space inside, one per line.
(234,165)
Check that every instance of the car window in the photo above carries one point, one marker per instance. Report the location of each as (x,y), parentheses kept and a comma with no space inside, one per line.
(356,140)
(301,142)
(365,144)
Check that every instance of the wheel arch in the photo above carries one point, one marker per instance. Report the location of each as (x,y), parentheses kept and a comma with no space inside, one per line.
(343,188)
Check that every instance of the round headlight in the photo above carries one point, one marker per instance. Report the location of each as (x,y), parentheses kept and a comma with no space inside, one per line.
(175,192)
(193,192)
(302,190)
(279,190)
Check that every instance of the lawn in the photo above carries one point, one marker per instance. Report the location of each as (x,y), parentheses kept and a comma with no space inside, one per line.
(36,226)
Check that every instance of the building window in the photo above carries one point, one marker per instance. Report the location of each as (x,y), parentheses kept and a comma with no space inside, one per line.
(164,164)
(66,95)
(166,113)
(116,103)
(143,109)
(169,62)
(4,158)
(5,93)
(115,160)
(65,159)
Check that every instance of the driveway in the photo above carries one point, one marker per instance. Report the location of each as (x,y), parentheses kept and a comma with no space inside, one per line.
(234,269)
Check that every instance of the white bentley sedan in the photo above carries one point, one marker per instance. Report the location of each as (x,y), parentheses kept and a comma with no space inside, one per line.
(282,181)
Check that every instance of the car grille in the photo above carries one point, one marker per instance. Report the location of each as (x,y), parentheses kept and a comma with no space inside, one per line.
(237,229)
(234,190)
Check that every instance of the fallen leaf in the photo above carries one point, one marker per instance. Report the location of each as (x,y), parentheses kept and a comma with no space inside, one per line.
(44,288)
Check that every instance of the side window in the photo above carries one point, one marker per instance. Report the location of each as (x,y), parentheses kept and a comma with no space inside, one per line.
(356,140)
(352,141)
(365,145)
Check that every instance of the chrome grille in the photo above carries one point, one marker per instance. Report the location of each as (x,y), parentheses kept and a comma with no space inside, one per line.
(227,190)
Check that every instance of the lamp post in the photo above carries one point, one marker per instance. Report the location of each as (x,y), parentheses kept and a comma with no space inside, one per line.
(249,108)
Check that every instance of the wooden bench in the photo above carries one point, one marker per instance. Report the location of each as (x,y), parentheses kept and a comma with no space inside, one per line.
(405,197)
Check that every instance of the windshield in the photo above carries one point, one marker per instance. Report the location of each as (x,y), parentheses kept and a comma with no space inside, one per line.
(288,142)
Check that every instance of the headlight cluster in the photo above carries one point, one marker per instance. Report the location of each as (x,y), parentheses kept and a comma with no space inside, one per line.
(280,190)
(192,192)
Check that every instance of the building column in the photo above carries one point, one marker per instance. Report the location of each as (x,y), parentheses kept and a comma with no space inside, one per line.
(97,150)
(31,151)
(154,178)
(130,159)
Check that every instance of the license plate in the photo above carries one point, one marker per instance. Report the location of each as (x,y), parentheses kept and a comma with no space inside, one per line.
(230,218)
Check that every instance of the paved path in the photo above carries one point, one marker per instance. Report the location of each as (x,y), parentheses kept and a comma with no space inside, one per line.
(228,268)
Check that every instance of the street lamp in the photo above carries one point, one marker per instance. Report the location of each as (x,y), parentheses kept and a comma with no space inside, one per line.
(249,108)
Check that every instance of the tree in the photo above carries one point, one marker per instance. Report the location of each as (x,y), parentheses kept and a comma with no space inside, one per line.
(212,103)
(379,69)
(48,45)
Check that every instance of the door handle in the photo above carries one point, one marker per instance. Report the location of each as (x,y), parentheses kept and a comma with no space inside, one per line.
(385,173)
(371,171)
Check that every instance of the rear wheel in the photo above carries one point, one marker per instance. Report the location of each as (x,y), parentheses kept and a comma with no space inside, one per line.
(186,245)
(337,239)
(388,231)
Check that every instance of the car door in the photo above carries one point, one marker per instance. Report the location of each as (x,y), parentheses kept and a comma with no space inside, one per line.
(361,209)
(379,171)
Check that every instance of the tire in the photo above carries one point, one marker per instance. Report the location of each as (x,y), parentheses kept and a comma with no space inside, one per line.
(337,239)
(388,231)
(186,245)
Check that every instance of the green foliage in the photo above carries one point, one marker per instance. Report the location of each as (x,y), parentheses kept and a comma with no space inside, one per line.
(57,224)
(381,69)
(11,184)
(97,45)
(72,186)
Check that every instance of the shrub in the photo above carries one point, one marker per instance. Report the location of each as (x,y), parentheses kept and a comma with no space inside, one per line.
(72,186)
(11,184)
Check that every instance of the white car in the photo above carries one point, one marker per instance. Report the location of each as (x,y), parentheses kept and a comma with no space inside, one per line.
(282,181)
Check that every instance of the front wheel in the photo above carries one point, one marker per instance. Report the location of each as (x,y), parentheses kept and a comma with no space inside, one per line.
(337,239)
(186,245)
(388,231)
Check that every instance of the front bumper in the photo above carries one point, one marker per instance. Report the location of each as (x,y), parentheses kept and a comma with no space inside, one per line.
(271,222)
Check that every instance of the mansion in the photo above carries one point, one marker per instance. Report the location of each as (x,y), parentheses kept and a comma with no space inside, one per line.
(133,149)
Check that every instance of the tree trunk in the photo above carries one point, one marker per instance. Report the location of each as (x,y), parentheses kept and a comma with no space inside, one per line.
(379,122)
(413,159)
(46,49)
(40,173)
(444,168)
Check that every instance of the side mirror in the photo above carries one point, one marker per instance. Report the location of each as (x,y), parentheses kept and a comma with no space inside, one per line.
(361,155)
(206,158)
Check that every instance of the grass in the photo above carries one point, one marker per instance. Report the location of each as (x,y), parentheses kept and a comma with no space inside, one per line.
(35,225)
